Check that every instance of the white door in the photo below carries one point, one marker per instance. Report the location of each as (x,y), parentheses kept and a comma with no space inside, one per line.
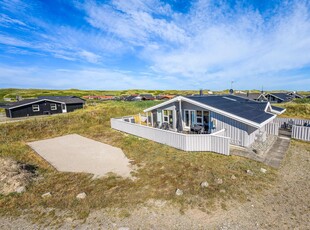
(64,108)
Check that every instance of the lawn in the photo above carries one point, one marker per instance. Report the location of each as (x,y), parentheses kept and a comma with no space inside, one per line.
(161,169)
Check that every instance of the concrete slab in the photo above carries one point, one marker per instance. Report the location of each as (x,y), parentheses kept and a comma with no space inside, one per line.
(273,157)
(74,153)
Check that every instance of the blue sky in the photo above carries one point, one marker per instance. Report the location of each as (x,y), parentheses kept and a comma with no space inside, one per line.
(153,44)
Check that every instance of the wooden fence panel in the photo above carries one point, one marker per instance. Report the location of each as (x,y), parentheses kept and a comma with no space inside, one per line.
(301,133)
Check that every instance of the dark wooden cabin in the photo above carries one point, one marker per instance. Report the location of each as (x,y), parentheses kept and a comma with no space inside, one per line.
(43,106)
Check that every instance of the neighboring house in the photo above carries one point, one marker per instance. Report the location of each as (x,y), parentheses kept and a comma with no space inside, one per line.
(133,98)
(43,105)
(295,95)
(147,97)
(218,117)
(164,97)
(278,97)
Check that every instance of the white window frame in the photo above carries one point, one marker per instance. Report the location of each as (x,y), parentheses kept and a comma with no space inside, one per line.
(54,106)
(35,108)
(199,117)
(166,117)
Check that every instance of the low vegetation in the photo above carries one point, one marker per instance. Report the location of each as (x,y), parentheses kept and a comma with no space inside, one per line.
(299,108)
(161,169)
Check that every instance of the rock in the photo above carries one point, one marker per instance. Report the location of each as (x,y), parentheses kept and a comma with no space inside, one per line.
(123,228)
(46,195)
(21,189)
(233,177)
(179,192)
(249,172)
(219,181)
(204,184)
(81,196)
(222,191)
(263,170)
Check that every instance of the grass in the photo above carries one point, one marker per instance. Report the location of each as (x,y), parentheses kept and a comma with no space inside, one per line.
(162,169)
(299,108)
(33,93)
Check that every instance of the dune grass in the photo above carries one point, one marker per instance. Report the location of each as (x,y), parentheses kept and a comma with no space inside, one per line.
(162,169)
(296,109)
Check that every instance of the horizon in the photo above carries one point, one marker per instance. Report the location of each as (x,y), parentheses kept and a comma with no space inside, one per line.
(155,45)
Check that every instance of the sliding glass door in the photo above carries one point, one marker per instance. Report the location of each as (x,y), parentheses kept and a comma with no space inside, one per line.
(189,118)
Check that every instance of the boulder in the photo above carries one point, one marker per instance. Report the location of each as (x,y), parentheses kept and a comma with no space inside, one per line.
(20,189)
(179,192)
(219,181)
(263,170)
(204,184)
(81,196)
(46,195)
(249,172)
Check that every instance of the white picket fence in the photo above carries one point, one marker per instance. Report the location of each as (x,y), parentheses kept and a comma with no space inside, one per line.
(272,128)
(301,133)
(295,121)
(186,142)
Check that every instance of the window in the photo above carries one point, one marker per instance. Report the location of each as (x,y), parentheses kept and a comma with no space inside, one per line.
(199,116)
(167,116)
(35,108)
(53,107)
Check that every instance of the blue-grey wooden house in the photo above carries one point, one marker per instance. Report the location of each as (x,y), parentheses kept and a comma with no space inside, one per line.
(240,121)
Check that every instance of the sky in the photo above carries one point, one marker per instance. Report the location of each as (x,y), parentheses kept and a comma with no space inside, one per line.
(153,44)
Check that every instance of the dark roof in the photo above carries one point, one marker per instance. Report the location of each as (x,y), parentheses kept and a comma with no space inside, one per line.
(20,103)
(278,109)
(238,106)
(131,98)
(64,99)
(252,96)
(147,96)
(282,96)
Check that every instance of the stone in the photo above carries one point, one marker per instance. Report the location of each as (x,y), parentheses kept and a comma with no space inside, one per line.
(46,195)
(179,192)
(222,191)
(123,228)
(20,189)
(249,172)
(233,177)
(263,170)
(219,181)
(81,196)
(204,184)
